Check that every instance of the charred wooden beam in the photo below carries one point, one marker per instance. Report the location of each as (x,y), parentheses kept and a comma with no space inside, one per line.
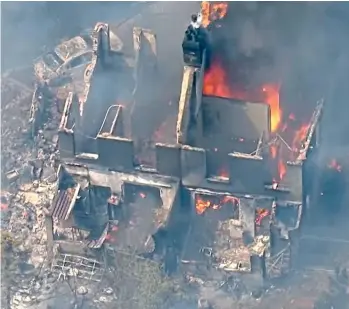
(314,124)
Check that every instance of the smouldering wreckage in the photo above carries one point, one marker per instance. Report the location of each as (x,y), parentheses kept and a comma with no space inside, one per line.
(233,180)
(236,169)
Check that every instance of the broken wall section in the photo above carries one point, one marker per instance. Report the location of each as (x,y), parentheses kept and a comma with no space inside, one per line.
(235,144)
(66,139)
(237,173)
(189,119)
(112,149)
(215,132)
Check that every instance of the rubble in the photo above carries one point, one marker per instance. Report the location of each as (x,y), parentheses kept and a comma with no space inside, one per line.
(29,176)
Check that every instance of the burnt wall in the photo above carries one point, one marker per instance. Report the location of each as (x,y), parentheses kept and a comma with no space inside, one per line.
(168,160)
(248,215)
(187,93)
(104,92)
(193,165)
(248,174)
(239,173)
(227,119)
(116,152)
(199,80)
(293,181)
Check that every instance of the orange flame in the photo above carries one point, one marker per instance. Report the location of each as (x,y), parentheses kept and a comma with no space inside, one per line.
(300,136)
(230,199)
(273,151)
(272,97)
(202,203)
(261,213)
(275,154)
(282,169)
(216,83)
(205,12)
(223,173)
(212,11)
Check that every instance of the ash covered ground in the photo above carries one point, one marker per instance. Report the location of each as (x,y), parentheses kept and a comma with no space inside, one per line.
(26,279)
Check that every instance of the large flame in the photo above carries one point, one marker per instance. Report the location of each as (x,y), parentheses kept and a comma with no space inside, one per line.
(299,137)
(212,11)
(272,97)
(281,169)
(203,203)
(216,84)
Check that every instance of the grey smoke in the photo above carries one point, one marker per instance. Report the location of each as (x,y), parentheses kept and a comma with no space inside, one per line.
(26,27)
(308,44)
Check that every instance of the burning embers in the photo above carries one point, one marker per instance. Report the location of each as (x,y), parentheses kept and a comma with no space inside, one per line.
(204,202)
(216,83)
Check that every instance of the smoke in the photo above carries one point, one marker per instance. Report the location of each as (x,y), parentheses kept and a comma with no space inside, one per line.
(301,45)
(297,44)
(306,48)
(26,27)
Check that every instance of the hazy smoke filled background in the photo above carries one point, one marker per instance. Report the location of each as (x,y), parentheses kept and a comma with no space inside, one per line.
(302,46)
(307,41)
(26,27)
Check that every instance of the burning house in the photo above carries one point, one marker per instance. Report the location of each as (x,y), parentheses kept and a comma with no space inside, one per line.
(244,166)
(236,164)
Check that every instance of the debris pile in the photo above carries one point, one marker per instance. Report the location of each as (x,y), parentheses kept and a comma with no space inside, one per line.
(15,106)
(28,171)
